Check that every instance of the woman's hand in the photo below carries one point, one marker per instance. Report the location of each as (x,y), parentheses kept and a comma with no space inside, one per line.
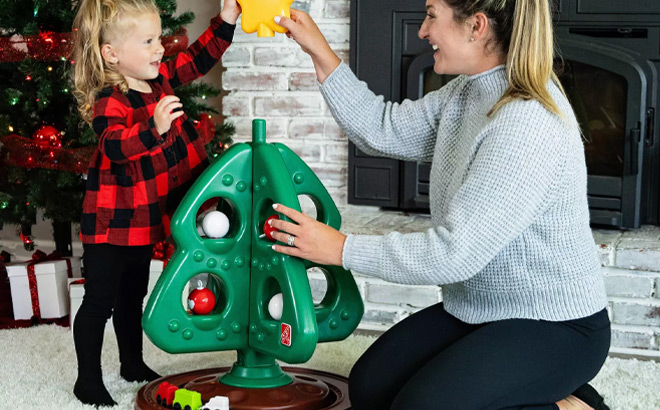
(312,240)
(306,33)
(230,11)
(167,110)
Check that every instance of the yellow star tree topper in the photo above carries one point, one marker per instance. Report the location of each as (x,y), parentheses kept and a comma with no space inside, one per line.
(258,16)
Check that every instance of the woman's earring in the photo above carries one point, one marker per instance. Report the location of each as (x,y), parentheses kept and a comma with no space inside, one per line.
(471,38)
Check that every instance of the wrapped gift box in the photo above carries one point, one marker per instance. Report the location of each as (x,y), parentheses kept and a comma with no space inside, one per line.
(76,292)
(51,278)
(76,268)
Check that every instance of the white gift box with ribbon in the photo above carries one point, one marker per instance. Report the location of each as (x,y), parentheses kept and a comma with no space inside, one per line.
(51,287)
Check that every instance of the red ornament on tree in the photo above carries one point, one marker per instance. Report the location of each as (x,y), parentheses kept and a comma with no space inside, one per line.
(201,300)
(47,136)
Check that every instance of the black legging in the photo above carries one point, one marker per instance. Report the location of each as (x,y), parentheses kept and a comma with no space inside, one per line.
(433,361)
(116,281)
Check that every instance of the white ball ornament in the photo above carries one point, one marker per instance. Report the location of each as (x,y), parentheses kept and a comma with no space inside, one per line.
(215,224)
(275,306)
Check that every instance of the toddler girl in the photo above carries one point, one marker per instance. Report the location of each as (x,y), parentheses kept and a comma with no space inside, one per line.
(148,155)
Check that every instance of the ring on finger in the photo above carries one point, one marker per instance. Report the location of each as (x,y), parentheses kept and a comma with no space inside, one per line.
(290,240)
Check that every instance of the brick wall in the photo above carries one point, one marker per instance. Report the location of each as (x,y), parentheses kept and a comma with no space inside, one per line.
(631,265)
(272,78)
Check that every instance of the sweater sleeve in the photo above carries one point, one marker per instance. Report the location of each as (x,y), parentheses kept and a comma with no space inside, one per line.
(512,178)
(201,56)
(404,131)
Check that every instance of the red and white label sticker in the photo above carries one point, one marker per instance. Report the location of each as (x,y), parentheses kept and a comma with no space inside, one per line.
(285,334)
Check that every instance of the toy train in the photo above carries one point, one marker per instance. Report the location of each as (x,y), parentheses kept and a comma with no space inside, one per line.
(171,396)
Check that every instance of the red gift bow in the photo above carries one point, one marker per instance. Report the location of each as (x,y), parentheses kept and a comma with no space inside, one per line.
(163,251)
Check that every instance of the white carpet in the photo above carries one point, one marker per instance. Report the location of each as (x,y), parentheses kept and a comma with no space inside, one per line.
(38,369)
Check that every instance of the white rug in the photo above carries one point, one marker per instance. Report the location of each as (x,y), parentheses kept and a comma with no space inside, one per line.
(38,369)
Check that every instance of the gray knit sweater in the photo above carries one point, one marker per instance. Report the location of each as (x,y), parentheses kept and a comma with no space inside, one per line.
(511,236)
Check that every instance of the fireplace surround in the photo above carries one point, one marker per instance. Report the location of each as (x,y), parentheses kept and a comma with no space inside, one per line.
(610,58)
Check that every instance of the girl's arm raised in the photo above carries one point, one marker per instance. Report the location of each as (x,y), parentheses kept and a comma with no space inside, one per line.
(204,53)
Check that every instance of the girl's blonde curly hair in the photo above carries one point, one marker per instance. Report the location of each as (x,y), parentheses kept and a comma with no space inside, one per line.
(100,22)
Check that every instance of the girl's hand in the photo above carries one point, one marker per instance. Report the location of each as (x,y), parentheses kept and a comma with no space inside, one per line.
(167,110)
(230,11)
(302,29)
(312,240)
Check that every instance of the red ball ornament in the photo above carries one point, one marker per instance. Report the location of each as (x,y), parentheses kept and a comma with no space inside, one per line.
(201,300)
(268,230)
(47,136)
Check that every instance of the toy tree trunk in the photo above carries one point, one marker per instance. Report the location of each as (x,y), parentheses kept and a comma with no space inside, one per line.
(245,273)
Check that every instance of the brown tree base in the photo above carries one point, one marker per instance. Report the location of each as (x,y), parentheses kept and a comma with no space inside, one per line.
(310,390)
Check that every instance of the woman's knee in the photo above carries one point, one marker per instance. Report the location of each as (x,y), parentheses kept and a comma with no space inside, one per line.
(366,392)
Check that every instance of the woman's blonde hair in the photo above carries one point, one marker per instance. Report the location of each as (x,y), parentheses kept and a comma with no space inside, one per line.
(523,31)
(100,22)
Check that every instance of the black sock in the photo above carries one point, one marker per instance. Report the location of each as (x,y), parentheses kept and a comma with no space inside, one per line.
(93,393)
(137,372)
(590,396)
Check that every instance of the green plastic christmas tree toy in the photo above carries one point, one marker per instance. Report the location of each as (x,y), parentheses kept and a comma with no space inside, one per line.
(245,273)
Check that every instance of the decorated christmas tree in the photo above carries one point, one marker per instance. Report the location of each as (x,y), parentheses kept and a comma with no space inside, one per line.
(45,147)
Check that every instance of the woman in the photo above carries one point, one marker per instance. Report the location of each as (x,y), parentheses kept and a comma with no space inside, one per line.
(523,322)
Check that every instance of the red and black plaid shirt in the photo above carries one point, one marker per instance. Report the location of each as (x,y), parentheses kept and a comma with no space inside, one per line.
(137,177)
